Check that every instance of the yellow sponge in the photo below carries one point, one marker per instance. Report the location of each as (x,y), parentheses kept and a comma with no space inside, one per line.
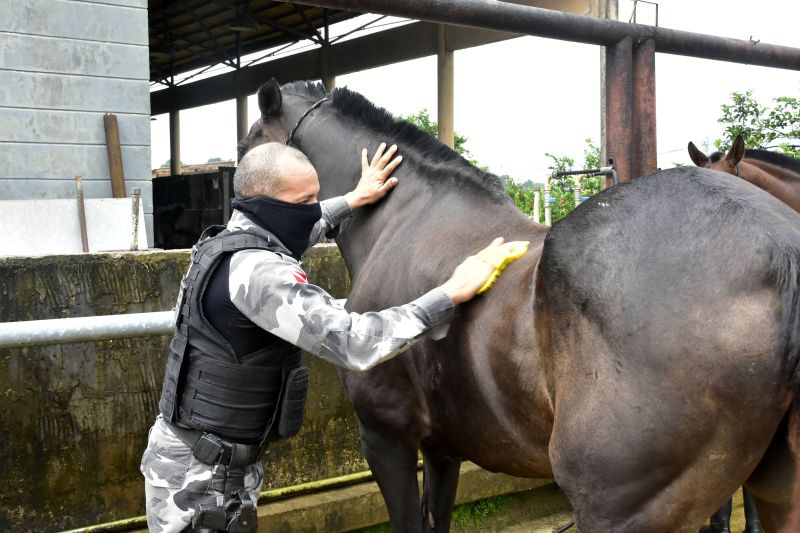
(499,258)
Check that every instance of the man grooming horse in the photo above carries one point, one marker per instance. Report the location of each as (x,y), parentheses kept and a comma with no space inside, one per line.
(233,380)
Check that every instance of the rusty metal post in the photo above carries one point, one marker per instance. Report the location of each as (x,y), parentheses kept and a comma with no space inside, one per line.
(81,213)
(114,151)
(644,147)
(619,108)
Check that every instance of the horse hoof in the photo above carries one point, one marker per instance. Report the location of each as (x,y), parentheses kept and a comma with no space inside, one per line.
(754,528)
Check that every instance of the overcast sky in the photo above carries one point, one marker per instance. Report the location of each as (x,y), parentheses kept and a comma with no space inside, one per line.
(518,99)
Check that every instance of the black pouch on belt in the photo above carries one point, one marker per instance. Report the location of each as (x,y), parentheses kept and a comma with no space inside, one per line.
(293,402)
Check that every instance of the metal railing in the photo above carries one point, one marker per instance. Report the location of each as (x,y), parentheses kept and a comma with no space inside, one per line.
(90,328)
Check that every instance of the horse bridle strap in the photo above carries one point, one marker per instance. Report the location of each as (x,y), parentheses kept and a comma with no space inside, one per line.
(290,139)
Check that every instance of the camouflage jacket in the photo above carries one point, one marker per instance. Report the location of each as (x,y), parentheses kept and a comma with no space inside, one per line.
(272,290)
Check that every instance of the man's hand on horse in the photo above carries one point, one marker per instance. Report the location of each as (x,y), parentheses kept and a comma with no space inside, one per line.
(477,273)
(376,177)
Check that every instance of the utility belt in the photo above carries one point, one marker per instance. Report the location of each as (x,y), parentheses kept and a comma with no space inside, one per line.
(212,450)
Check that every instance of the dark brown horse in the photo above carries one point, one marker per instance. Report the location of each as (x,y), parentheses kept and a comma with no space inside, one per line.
(597,359)
(776,173)
(779,175)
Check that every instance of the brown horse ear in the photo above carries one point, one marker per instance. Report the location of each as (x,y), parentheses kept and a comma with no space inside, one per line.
(736,153)
(698,158)
(269,98)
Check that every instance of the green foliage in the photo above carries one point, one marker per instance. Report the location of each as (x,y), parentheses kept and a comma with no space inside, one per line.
(474,513)
(562,187)
(523,194)
(168,162)
(775,127)
(214,160)
(424,122)
(520,194)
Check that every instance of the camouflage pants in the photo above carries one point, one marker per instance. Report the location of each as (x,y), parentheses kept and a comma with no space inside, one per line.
(176,483)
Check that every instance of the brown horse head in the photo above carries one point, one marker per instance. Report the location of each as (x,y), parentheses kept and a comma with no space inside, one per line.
(727,163)
(776,173)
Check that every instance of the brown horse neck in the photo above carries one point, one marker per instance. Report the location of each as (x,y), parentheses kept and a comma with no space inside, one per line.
(783,184)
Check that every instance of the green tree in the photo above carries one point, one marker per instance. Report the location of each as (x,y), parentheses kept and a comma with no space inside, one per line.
(562,187)
(775,127)
(424,122)
(214,160)
(168,162)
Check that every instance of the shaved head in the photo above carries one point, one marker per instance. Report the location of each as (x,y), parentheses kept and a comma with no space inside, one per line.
(262,170)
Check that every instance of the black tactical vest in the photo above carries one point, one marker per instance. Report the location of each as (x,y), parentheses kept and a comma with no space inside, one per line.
(207,385)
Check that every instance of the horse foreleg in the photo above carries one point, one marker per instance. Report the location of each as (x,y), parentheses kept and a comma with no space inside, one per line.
(753,524)
(720,521)
(394,466)
(440,482)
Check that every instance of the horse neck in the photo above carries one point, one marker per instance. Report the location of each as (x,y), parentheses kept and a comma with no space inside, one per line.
(779,182)
(429,211)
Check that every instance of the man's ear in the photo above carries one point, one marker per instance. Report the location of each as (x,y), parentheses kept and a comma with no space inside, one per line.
(269,98)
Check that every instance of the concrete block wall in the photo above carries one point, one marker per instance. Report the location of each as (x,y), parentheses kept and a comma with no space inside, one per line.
(63,64)
(74,417)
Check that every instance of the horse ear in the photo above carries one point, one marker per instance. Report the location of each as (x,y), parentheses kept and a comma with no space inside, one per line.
(269,98)
(698,158)
(736,153)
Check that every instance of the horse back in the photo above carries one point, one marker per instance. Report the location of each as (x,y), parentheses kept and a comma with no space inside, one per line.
(682,267)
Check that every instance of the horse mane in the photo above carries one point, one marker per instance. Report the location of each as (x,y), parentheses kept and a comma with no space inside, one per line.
(356,107)
(775,158)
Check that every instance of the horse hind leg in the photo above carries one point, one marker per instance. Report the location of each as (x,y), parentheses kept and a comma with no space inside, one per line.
(440,482)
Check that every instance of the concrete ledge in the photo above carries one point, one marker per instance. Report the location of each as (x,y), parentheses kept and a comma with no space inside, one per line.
(362,505)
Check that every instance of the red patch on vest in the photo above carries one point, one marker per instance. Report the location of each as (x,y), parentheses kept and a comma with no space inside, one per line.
(300,276)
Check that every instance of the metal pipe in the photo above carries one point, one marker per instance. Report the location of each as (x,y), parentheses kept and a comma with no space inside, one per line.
(585,172)
(515,18)
(90,328)
(536,209)
(548,211)
(135,218)
(577,189)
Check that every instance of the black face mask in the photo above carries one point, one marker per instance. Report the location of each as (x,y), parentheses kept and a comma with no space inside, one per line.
(290,223)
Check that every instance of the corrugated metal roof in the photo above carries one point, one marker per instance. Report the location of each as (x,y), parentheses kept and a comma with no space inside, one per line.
(186,35)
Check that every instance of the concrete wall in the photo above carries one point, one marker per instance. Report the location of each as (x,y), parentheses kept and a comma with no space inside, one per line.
(74,417)
(63,64)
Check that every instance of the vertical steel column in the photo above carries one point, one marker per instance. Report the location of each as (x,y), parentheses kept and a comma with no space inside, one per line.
(242,127)
(619,108)
(326,67)
(445,75)
(644,149)
(175,142)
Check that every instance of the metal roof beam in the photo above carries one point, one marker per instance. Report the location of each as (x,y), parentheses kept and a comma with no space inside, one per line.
(490,14)
(411,41)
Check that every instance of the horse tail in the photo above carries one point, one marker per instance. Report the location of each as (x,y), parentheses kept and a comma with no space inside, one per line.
(785,266)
